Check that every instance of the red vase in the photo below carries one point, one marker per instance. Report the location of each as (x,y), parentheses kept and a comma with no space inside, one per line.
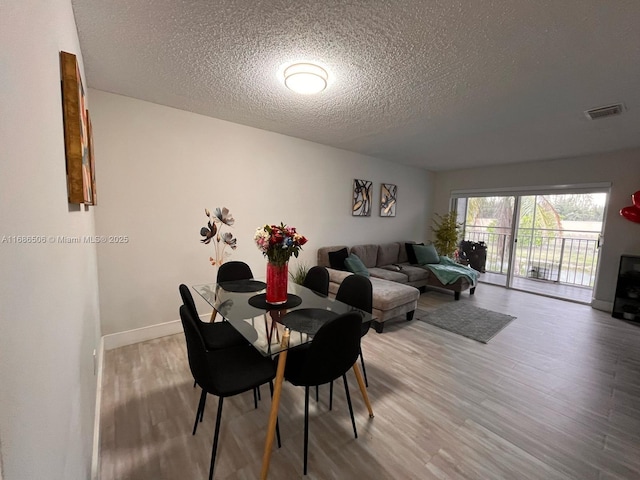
(277,277)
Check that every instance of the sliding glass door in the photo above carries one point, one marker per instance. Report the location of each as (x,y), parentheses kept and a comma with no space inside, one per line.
(489,220)
(545,243)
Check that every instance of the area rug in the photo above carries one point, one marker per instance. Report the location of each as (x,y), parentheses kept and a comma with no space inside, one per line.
(467,320)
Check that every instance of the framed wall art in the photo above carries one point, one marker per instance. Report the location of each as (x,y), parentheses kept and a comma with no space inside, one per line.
(388,199)
(361,206)
(76,132)
(92,162)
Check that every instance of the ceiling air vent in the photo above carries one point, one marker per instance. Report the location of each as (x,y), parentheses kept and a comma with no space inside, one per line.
(602,112)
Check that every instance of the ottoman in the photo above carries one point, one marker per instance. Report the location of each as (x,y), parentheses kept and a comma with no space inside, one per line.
(390,299)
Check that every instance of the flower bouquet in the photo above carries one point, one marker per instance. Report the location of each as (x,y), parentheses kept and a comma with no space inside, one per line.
(278,243)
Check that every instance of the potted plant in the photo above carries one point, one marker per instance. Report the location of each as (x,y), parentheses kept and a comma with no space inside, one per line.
(299,273)
(447,231)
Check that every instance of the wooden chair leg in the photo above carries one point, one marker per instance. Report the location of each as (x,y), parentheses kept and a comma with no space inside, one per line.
(346,390)
(255,398)
(214,449)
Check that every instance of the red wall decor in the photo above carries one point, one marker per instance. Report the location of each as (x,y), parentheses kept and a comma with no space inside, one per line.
(632,212)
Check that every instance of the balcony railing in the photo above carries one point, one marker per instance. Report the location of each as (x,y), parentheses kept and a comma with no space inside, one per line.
(562,256)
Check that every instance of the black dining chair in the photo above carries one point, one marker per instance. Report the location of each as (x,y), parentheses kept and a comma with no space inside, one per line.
(216,335)
(317,279)
(234,270)
(223,372)
(333,351)
(357,291)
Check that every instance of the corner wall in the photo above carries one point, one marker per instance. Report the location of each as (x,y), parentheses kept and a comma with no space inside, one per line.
(49,293)
(158,168)
(621,169)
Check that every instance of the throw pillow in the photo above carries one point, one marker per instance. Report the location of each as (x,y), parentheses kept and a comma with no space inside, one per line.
(336,259)
(355,265)
(426,254)
(410,253)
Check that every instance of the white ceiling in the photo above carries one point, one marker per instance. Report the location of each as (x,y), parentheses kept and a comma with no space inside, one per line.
(441,84)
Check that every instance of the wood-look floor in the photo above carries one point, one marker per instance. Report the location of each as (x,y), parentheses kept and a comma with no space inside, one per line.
(555,395)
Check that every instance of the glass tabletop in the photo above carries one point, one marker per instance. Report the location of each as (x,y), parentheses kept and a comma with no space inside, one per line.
(242,304)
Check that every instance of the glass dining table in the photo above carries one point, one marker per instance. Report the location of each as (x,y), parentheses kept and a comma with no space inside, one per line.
(274,329)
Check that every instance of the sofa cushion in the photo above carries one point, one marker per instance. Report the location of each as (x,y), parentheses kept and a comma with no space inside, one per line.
(426,254)
(415,273)
(336,277)
(394,276)
(367,253)
(389,295)
(411,255)
(387,254)
(355,265)
(337,258)
(323,254)
(402,253)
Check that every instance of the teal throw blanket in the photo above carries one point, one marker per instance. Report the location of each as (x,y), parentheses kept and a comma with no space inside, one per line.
(448,271)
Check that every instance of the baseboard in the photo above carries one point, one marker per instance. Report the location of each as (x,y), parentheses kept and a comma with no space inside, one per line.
(95,455)
(602,305)
(137,335)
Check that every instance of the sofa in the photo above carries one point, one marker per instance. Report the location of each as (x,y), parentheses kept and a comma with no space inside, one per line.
(396,282)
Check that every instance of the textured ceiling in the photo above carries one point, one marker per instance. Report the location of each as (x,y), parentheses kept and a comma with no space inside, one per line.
(439,84)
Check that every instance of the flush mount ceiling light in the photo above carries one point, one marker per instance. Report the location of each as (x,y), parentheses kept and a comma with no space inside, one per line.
(305,78)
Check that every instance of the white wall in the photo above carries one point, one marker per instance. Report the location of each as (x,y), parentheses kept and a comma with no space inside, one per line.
(158,168)
(49,295)
(622,169)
